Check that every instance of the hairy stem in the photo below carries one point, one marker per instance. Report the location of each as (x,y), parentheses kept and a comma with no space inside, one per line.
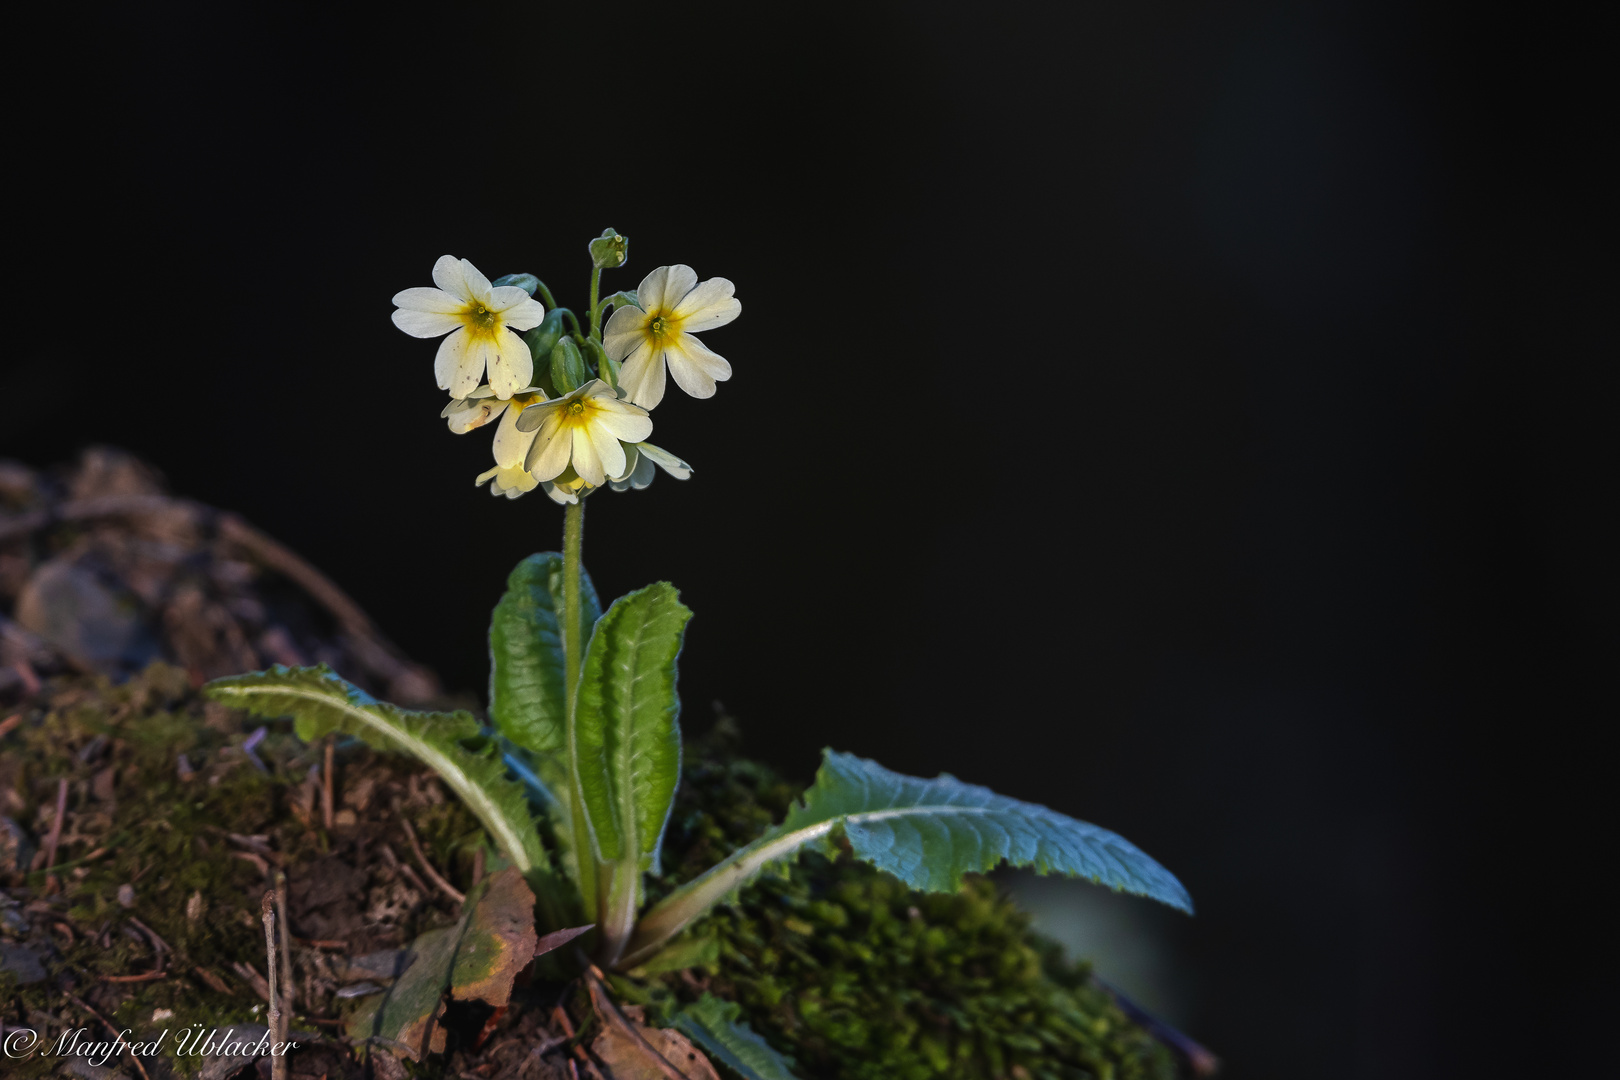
(596,303)
(573,660)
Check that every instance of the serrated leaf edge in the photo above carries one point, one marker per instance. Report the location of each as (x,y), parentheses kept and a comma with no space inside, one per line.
(477,799)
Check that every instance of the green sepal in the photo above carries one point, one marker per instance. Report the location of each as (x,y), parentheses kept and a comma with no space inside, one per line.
(568,370)
(527,282)
(606,369)
(609,250)
(540,341)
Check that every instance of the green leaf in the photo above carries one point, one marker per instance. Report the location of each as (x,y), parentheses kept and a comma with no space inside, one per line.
(527,282)
(476,959)
(928,833)
(568,366)
(627,744)
(717,1026)
(688,952)
(622,299)
(527,702)
(322,703)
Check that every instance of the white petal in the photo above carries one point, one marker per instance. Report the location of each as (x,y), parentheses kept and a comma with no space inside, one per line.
(425,324)
(587,462)
(623,421)
(665,460)
(644,474)
(526,314)
(607,450)
(665,287)
(534,415)
(631,457)
(511,445)
(426,299)
(477,284)
(465,414)
(708,306)
(548,457)
(447,275)
(458,366)
(511,365)
(694,368)
(643,376)
(625,329)
(558,495)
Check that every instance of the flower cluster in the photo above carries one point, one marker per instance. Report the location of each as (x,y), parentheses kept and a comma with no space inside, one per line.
(573,407)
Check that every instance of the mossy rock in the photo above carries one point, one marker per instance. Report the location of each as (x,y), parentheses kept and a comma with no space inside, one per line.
(837,965)
(859,978)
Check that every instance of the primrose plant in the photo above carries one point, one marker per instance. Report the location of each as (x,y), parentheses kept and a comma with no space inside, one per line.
(575,775)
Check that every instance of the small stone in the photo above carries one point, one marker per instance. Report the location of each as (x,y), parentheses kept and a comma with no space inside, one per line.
(161,1014)
(126,895)
(196,906)
(344,818)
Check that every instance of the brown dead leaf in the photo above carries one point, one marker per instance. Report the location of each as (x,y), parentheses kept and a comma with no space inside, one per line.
(475,959)
(624,1058)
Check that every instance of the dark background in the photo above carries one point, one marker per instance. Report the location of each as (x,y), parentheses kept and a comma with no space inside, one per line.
(1182,415)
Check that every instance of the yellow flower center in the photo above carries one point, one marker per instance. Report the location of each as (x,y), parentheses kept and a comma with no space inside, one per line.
(479,319)
(576,409)
(663,326)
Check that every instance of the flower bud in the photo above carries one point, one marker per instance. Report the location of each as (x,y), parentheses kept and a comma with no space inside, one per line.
(527,282)
(568,367)
(606,369)
(543,337)
(609,250)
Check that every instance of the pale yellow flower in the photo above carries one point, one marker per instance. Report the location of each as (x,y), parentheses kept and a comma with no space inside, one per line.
(639,466)
(659,332)
(481,320)
(583,431)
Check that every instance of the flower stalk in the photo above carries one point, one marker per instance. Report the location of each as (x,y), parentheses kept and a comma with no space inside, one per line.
(573,660)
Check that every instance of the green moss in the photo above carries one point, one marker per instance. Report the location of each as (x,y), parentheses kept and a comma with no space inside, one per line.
(859,978)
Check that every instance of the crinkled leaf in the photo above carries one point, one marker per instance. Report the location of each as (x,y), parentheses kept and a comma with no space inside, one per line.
(527,702)
(928,833)
(718,1027)
(476,959)
(627,743)
(322,703)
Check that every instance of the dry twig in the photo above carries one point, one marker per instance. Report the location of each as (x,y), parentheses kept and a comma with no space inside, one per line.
(326,786)
(116,1034)
(433,875)
(56,826)
(278,1033)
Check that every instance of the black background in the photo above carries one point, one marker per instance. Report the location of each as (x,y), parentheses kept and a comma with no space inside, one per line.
(1182,415)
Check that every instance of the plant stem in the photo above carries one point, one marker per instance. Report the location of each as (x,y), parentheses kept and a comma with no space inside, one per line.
(573,660)
(596,303)
(545,294)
